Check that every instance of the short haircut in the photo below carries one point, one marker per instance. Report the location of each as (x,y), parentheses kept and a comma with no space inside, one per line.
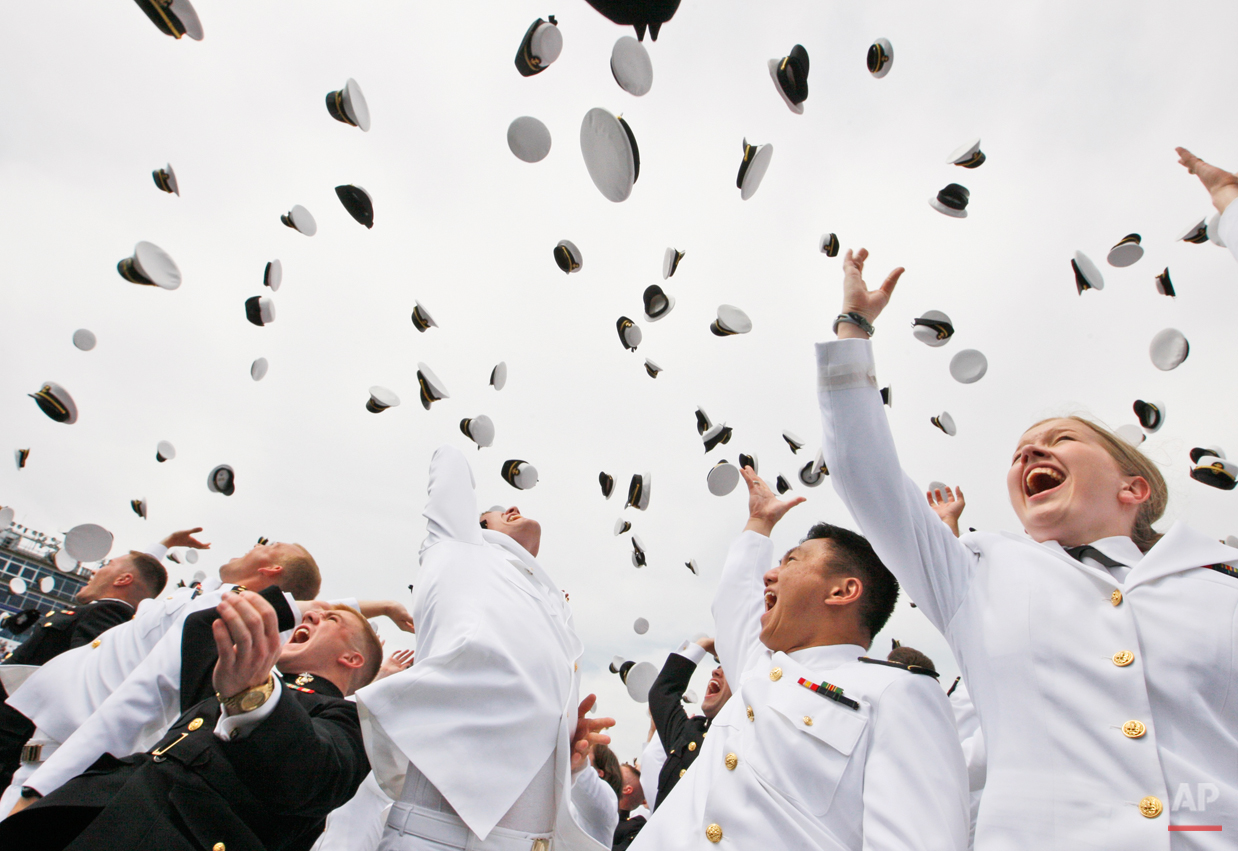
(149,573)
(300,576)
(911,656)
(632,768)
(366,642)
(605,761)
(854,556)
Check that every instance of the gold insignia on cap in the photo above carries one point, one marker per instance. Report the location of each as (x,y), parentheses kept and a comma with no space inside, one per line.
(776,674)
(731,761)
(195,724)
(713,833)
(1151,807)
(1123,658)
(1116,597)
(1133,729)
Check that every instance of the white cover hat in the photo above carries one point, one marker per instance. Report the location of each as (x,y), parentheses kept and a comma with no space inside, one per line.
(611,154)
(1169,348)
(150,265)
(631,66)
(84,339)
(88,542)
(528,139)
(968,366)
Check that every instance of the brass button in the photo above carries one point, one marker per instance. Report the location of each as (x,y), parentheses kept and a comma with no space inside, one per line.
(691,746)
(575,666)
(1123,658)
(682,772)
(1133,729)
(49,623)
(219,846)
(96,642)
(1151,807)
(714,832)
(751,717)
(1116,597)
(776,674)
(807,720)
(731,761)
(195,724)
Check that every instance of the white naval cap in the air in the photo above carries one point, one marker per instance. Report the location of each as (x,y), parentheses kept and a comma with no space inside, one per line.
(651,368)
(88,542)
(422,320)
(381,399)
(56,402)
(631,66)
(670,261)
(731,320)
(348,106)
(432,389)
(952,201)
(752,168)
(479,429)
(164,451)
(84,339)
(1169,348)
(611,153)
(519,474)
(541,46)
(260,310)
(638,491)
(273,275)
(568,257)
(790,76)
(357,202)
(165,179)
(968,366)
(222,479)
(150,265)
(933,328)
(1087,276)
(945,422)
(258,369)
(968,156)
(880,57)
(1127,252)
(529,139)
(722,478)
(629,333)
(173,17)
(498,375)
(300,220)
(1151,415)
(657,303)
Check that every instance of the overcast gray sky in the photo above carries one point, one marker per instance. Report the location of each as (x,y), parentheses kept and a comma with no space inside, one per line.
(1079,107)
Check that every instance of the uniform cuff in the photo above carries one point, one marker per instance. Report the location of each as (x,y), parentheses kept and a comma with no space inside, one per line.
(156,551)
(239,726)
(691,651)
(845,364)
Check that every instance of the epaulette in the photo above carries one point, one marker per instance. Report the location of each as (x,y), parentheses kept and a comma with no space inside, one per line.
(915,669)
(1224,568)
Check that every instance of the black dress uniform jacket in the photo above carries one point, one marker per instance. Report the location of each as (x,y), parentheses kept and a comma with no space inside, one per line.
(681,736)
(61,630)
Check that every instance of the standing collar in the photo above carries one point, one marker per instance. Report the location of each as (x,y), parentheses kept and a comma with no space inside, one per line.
(1119,548)
(114,600)
(311,684)
(827,655)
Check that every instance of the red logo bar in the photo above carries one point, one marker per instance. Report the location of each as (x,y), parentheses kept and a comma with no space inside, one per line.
(1215,827)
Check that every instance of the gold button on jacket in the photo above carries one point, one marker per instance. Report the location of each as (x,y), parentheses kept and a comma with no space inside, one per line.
(713,833)
(682,772)
(1151,807)
(776,674)
(731,761)
(1116,597)
(1133,729)
(751,716)
(1123,658)
(807,720)
(219,846)
(691,746)
(96,642)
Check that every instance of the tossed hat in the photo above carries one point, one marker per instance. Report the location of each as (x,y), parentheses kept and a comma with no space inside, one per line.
(1126,252)
(150,265)
(56,402)
(381,399)
(887,396)
(945,422)
(640,626)
(968,156)
(790,75)
(541,45)
(880,57)
(357,202)
(19,622)
(1214,471)
(631,67)
(498,375)
(528,139)
(164,451)
(607,481)
(1164,285)
(1196,232)
(731,320)
(1151,415)
(139,507)
(670,261)
(746,460)
(1087,276)
(432,390)
(568,256)
(621,526)
(191,556)
(752,169)
(519,474)
(1132,434)
(17,586)
(638,491)
(639,677)
(84,339)
(6,517)
(782,484)
(479,429)
(716,436)
(258,369)
(173,17)
(629,333)
(639,14)
(829,244)
(273,275)
(1201,451)
(611,154)
(722,478)
(703,423)
(652,368)
(952,201)
(968,366)
(691,565)
(165,179)
(260,310)
(657,303)
(300,220)
(65,563)
(20,455)
(1169,349)
(933,328)
(88,542)
(421,318)
(348,106)
(638,560)
(222,480)
(796,443)
(814,472)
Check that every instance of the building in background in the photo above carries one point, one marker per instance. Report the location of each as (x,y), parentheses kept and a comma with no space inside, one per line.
(31,579)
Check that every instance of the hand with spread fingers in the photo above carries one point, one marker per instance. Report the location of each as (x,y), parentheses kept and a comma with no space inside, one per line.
(185,538)
(858,298)
(247,637)
(588,733)
(396,661)
(765,509)
(948,504)
(1221,185)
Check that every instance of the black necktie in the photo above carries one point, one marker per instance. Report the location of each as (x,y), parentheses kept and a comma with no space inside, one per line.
(1090,551)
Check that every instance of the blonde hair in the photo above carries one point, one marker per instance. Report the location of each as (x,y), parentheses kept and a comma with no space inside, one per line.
(367,643)
(1131,462)
(300,576)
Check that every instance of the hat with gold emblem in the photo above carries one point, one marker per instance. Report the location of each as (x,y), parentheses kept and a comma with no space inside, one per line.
(790,75)
(222,480)
(933,328)
(968,156)
(945,422)
(814,472)
(731,320)
(300,220)
(670,261)
(621,526)
(1087,276)
(568,257)
(631,66)
(541,45)
(752,168)
(607,481)
(716,435)
(260,310)
(273,275)
(421,318)
(1210,467)
(432,390)
(381,399)
(657,303)
(479,429)
(498,375)
(722,478)
(348,106)
(611,153)
(88,542)
(357,202)
(165,179)
(139,507)
(164,451)
(56,402)
(652,368)
(829,244)
(968,366)
(638,491)
(703,423)
(746,460)
(173,17)
(1169,348)
(638,560)
(629,333)
(1164,285)
(1126,252)
(691,565)
(782,484)
(529,139)
(519,474)
(1151,415)
(84,339)
(796,443)
(880,57)
(19,455)
(1196,232)
(151,266)
(951,201)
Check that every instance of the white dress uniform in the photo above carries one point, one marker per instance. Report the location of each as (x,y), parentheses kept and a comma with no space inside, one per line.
(652,758)
(473,740)
(1104,697)
(358,825)
(1228,227)
(784,767)
(972,740)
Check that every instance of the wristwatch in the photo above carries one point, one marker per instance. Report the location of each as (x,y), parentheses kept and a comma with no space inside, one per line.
(248,700)
(856,320)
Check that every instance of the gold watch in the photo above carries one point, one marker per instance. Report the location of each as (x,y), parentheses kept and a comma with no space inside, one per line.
(250,699)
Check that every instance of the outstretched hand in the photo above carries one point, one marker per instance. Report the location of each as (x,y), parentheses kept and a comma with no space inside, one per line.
(948,505)
(185,538)
(764,508)
(858,298)
(588,733)
(1221,185)
(396,661)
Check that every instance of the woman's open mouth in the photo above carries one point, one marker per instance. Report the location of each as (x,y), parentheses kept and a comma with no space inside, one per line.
(1041,479)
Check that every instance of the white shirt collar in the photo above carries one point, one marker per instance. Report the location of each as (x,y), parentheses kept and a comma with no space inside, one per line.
(827,656)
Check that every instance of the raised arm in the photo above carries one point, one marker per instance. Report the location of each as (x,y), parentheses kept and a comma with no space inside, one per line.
(666,693)
(451,512)
(1223,187)
(932,565)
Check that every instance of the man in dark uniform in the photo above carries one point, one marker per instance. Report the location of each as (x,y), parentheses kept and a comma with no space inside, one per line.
(255,762)
(110,597)
(682,736)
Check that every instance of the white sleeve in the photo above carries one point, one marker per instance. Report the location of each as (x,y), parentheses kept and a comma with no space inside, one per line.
(595,805)
(915,783)
(652,758)
(691,651)
(358,825)
(240,725)
(1228,227)
(451,512)
(932,565)
(740,600)
(156,551)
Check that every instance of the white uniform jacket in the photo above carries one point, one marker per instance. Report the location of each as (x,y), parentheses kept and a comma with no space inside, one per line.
(494,689)
(783,767)
(1109,709)
(972,740)
(1228,226)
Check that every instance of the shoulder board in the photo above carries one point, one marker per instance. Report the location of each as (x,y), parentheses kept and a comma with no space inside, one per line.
(915,669)
(1224,568)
